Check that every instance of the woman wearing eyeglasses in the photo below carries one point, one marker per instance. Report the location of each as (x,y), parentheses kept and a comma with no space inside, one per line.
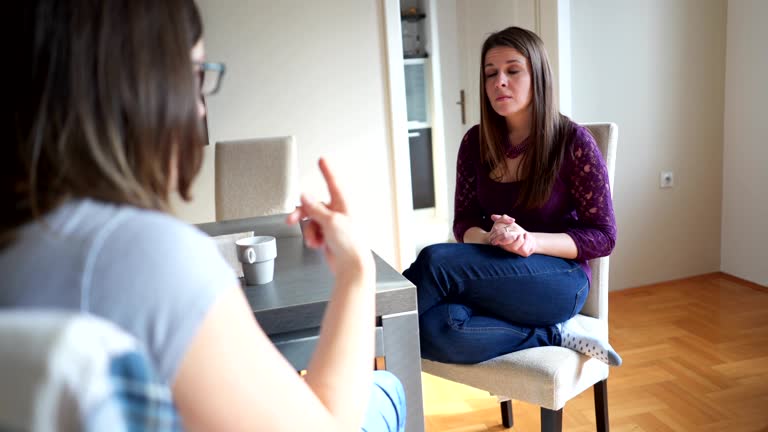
(107,101)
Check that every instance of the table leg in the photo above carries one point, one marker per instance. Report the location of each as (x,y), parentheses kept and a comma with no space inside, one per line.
(403,358)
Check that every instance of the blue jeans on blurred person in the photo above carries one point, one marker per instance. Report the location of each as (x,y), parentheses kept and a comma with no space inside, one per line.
(477,302)
(386,407)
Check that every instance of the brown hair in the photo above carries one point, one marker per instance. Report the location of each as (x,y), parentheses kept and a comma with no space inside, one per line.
(549,129)
(104,100)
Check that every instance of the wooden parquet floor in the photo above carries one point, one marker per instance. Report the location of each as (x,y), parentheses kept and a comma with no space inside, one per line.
(695,359)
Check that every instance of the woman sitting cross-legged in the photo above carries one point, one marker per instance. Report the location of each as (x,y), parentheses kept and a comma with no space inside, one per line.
(532,206)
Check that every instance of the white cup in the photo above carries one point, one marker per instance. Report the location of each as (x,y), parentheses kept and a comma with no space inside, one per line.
(257,255)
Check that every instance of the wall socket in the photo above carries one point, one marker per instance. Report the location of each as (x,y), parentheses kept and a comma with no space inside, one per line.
(666,179)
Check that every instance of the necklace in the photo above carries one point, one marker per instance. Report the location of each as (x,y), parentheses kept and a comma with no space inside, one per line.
(513,151)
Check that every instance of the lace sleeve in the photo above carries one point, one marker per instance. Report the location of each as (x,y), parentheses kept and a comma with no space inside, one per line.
(595,230)
(467,212)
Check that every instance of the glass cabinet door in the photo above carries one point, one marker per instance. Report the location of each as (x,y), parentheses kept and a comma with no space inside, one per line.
(416,93)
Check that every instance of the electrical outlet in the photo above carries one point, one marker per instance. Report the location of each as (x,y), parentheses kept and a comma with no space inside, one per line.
(666,179)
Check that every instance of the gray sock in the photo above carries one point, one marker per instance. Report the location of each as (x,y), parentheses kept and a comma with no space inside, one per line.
(574,336)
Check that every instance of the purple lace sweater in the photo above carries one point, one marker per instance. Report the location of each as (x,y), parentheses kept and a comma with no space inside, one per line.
(580,204)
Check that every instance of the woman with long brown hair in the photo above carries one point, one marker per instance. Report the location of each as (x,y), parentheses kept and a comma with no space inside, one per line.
(106,125)
(532,206)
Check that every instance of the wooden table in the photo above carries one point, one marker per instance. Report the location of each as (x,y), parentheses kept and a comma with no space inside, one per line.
(290,308)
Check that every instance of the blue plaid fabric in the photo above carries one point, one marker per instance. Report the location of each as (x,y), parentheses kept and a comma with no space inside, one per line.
(138,403)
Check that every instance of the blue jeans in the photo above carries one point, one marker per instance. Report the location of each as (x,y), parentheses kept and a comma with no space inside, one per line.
(386,407)
(477,302)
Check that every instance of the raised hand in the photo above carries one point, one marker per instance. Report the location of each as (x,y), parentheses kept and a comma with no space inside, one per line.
(331,228)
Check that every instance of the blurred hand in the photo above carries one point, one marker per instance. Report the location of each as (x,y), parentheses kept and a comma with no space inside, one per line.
(331,228)
(511,237)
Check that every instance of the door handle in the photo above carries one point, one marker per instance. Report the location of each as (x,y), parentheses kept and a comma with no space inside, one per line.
(414,134)
(463,110)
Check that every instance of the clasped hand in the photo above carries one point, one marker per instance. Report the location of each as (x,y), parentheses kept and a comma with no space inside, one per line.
(510,236)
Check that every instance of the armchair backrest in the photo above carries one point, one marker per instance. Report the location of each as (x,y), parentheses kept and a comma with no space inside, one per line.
(256,177)
(606,136)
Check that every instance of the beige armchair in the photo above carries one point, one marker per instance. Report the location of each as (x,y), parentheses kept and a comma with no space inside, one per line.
(549,376)
(256,177)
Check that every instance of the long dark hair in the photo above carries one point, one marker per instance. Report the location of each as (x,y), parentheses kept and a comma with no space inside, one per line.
(103,96)
(549,129)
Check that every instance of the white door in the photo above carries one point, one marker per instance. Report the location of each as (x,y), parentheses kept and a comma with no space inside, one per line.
(476,20)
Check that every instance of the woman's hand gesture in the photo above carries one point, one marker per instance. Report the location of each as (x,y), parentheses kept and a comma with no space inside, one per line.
(510,236)
(331,228)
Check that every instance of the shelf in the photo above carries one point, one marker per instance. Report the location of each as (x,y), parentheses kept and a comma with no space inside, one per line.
(412,17)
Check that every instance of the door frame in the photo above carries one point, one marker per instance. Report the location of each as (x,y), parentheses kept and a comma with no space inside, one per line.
(398,134)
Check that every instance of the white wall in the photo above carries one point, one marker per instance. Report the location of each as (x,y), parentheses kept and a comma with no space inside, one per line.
(656,67)
(315,70)
(745,156)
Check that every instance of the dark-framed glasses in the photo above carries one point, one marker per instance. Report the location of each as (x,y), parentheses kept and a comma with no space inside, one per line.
(209,75)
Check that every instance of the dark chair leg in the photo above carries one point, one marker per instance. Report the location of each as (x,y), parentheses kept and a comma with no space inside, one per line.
(601,406)
(506,414)
(551,421)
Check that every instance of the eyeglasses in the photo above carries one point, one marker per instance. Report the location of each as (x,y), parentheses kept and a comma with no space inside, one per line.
(209,77)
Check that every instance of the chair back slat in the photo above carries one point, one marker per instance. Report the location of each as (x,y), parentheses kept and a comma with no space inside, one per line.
(606,136)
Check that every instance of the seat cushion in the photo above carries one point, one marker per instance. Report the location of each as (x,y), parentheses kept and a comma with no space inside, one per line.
(545,376)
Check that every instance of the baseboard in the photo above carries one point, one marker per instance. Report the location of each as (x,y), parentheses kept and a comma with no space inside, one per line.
(697,278)
(741,281)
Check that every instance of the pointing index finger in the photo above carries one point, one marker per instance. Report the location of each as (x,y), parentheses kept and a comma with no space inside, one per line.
(337,198)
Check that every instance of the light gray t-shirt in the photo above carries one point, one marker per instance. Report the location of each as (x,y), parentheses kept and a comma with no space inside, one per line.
(151,274)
